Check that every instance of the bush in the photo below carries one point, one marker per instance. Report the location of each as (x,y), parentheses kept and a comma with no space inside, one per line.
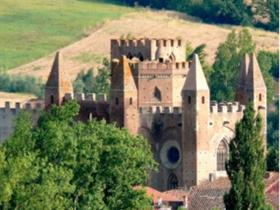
(21,84)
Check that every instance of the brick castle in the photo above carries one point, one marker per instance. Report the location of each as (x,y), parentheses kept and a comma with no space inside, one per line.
(156,93)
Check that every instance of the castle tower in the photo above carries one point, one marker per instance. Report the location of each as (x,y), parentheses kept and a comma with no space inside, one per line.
(123,99)
(252,87)
(58,83)
(195,143)
(241,93)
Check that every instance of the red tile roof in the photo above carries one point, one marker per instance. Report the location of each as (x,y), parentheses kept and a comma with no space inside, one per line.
(155,195)
(209,195)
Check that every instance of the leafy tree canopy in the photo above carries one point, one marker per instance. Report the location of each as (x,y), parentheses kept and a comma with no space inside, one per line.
(246,165)
(226,67)
(88,83)
(259,13)
(64,164)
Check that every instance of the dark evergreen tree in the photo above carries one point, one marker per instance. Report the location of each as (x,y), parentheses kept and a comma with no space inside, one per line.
(246,165)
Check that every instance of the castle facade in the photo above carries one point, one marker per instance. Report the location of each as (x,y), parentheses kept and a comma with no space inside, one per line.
(156,93)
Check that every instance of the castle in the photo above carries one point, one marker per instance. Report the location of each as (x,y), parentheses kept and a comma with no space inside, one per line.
(156,93)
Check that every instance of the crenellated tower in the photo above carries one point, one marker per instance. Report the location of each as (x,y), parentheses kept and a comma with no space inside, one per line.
(195,144)
(58,83)
(123,97)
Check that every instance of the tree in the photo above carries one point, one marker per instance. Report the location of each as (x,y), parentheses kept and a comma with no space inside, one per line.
(101,82)
(226,67)
(246,165)
(273,139)
(88,83)
(200,51)
(67,164)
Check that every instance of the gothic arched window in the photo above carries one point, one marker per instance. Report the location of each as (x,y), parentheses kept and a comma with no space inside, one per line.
(173,182)
(222,155)
(157,94)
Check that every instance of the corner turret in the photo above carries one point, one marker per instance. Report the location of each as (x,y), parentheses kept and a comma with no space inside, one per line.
(252,88)
(123,100)
(58,83)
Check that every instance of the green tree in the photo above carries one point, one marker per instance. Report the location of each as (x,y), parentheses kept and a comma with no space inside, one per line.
(273,158)
(246,165)
(226,67)
(101,82)
(273,139)
(200,51)
(21,84)
(88,83)
(67,164)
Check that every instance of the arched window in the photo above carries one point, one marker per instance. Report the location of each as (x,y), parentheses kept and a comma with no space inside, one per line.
(222,155)
(157,94)
(172,57)
(173,182)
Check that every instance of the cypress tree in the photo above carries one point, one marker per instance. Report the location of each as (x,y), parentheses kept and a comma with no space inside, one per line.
(246,165)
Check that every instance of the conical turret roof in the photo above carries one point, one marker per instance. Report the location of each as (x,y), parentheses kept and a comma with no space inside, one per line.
(58,78)
(244,70)
(254,76)
(195,78)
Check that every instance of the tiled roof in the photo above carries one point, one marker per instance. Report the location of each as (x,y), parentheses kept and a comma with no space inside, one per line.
(155,195)
(179,194)
(209,195)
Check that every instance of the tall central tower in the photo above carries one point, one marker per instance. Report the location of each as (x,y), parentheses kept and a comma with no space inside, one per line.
(195,144)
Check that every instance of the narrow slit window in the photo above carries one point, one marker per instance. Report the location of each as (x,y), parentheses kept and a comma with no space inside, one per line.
(203,100)
(130,101)
(260,97)
(52,99)
(117,101)
(179,43)
(189,99)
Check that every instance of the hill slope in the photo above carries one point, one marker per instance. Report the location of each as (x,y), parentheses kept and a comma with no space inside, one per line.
(89,51)
(31,29)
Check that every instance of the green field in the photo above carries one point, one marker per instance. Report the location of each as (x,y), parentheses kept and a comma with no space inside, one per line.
(30,29)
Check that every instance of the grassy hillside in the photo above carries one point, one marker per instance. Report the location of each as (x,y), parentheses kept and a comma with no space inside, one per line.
(31,29)
(89,51)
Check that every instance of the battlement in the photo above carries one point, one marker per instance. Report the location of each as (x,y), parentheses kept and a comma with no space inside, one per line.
(158,66)
(144,42)
(226,107)
(88,97)
(160,110)
(17,106)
